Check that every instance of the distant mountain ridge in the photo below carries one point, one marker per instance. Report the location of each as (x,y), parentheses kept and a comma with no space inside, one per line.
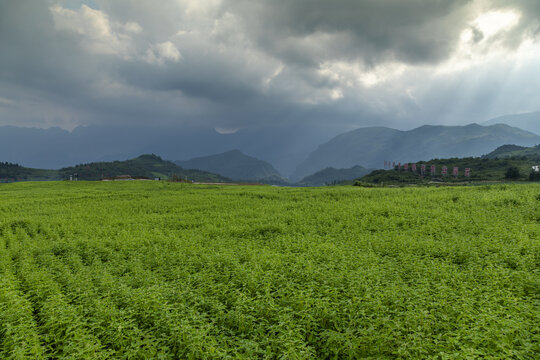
(370,147)
(527,121)
(283,146)
(288,149)
(235,165)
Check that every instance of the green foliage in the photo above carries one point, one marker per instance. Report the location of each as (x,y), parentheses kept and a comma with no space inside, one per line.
(332,176)
(392,177)
(534,175)
(14,172)
(144,166)
(516,152)
(162,270)
(482,169)
(512,173)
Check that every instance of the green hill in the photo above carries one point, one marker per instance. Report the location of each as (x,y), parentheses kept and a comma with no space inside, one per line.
(503,151)
(144,166)
(481,169)
(235,165)
(331,175)
(513,151)
(14,172)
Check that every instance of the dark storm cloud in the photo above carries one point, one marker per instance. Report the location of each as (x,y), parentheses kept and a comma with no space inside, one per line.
(240,63)
(42,69)
(48,74)
(33,54)
(373,30)
(211,78)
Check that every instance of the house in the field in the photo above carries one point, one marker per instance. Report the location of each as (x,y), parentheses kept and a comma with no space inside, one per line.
(536,168)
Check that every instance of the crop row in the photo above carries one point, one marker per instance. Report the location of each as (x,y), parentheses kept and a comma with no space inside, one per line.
(153,270)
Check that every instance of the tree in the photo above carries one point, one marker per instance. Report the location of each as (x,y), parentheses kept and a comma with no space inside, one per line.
(512,173)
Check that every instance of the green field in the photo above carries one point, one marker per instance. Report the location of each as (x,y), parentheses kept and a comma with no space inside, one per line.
(157,270)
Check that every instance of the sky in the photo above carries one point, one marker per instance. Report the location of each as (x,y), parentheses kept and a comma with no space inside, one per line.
(229,65)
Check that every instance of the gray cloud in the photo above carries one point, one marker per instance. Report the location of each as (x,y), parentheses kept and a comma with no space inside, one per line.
(373,30)
(228,64)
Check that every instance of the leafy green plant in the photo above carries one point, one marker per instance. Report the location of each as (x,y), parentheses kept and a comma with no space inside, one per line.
(164,270)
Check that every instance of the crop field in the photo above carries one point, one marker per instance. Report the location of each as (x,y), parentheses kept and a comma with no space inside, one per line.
(158,270)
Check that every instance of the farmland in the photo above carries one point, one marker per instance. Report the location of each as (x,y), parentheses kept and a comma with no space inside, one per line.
(158,270)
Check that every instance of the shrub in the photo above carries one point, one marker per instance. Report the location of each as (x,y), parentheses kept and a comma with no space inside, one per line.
(534,176)
(512,173)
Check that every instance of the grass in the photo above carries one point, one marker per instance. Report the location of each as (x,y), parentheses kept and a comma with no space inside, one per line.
(145,270)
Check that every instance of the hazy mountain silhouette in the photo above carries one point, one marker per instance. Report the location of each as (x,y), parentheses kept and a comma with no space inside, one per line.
(54,148)
(527,121)
(286,149)
(370,147)
(235,165)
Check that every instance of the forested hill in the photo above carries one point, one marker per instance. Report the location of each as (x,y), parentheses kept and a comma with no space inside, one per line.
(331,175)
(514,151)
(10,172)
(481,169)
(148,166)
(144,166)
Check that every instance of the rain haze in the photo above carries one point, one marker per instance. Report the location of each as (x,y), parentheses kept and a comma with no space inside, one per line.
(273,77)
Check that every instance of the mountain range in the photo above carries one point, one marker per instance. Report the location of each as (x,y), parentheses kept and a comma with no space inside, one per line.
(275,154)
(54,148)
(371,146)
